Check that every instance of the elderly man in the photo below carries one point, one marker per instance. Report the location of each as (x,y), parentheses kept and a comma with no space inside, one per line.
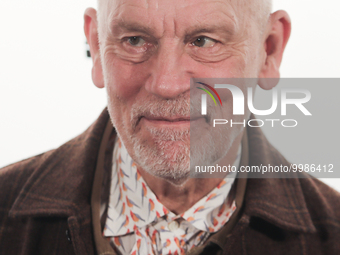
(123,186)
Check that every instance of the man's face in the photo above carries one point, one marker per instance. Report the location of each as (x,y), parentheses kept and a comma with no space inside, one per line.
(149,52)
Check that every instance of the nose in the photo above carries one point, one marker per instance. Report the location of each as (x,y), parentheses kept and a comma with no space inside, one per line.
(169,72)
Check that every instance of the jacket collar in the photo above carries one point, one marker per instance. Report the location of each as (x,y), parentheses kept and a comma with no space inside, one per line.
(62,184)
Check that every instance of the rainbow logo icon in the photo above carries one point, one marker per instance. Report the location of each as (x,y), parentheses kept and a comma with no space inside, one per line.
(209,93)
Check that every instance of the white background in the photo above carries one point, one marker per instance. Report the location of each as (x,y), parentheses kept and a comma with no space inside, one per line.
(46,92)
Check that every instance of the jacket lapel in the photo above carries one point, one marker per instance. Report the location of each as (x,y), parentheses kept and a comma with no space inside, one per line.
(278,200)
(61,185)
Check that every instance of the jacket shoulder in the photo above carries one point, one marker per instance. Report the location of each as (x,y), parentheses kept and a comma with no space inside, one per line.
(323,202)
(13,177)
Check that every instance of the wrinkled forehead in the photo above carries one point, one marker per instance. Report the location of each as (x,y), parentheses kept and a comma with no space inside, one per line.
(161,4)
(238,12)
(259,6)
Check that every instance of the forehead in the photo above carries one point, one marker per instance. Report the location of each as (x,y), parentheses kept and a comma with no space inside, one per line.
(178,14)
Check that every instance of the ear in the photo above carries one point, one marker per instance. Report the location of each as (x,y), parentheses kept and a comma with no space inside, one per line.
(91,33)
(276,38)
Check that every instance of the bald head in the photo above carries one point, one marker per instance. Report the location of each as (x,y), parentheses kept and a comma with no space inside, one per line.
(258,10)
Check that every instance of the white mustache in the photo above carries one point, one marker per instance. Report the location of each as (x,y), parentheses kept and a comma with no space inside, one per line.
(180,107)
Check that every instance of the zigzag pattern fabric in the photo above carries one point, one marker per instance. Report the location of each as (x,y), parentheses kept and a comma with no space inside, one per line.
(138,223)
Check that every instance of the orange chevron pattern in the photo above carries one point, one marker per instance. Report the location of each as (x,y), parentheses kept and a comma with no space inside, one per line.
(177,242)
(134,208)
(152,205)
(138,243)
(128,202)
(117,241)
(221,210)
(126,221)
(123,210)
(215,222)
(211,196)
(138,174)
(124,187)
(144,189)
(222,183)
(134,217)
(167,243)
(199,208)
(153,237)
(190,219)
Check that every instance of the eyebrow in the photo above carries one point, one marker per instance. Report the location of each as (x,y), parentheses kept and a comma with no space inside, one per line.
(227,29)
(120,25)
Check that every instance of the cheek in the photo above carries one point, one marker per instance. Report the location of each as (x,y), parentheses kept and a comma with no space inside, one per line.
(123,79)
(233,67)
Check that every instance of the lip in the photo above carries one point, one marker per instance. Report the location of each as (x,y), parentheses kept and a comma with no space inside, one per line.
(172,119)
(177,121)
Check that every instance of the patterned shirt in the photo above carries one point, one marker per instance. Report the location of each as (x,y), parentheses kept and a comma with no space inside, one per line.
(138,223)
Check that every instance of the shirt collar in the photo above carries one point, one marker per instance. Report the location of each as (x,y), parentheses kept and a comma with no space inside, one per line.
(133,204)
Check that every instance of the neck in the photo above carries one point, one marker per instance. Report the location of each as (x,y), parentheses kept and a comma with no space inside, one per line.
(179,198)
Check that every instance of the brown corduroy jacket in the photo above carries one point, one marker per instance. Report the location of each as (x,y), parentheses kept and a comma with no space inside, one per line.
(45,205)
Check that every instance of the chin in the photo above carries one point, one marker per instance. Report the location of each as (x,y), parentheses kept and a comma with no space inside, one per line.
(173,177)
(169,160)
